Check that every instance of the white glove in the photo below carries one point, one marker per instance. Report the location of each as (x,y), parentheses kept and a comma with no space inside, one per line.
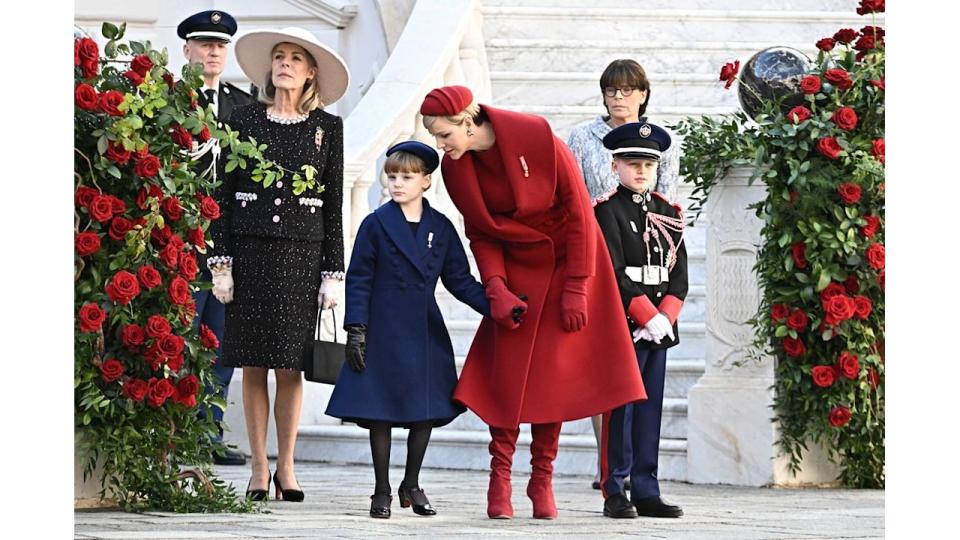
(223,285)
(331,293)
(641,333)
(660,327)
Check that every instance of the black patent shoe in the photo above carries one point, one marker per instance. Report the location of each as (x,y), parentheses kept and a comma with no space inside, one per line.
(292,495)
(380,506)
(229,457)
(617,506)
(258,494)
(656,507)
(417,498)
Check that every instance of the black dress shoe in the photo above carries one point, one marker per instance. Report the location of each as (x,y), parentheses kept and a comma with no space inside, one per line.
(380,506)
(258,494)
(292,495)
(656,507)
(417,498)
(617,506)
(229,457)
(595,484)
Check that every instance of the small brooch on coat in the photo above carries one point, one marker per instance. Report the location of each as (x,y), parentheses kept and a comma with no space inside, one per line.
(526,171)
(244,197)
(312,203)
(318,137)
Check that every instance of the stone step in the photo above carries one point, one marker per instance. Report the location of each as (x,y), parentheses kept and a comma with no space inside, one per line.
(468,449)
(593,54)
(634,23)
(772,5)
(582,88)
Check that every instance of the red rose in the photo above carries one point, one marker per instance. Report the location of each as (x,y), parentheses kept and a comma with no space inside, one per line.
(209,208)
(117,154)
(845,118)
(168,78)
(133,336)
(881,279)
(729,72)
(195,236)
(849,365)
(799,251)
(135,78)
(86,97)
(162,235)
(181,136)
(779,312)
(109,101)
(879,83)
(144,194)
(838,77)
(878,150)
(846,35)
(876,256)
(798,114)
(135,389)
(204,135)
(826,44)
(143,152)
(849,192)
(852,285)
(187,389)
(170,345)
(810,84)
(175,363)
(117,205)
(793,347)
(86,243)
(123,288)
(111,369)
(153,357)
(208,338)
(865,43)
(157,326)
(141,64)
(839,416)
(172,208)
(823,376)
(175,240)
(101,208)
(863,307)
(188,312)
(84,196)
(90,69)
(798,320)
(149,276)
(158,390)
(839,308)
(147,167)
(873,377)
(831,290)
(88,50)
(119,228)
(188,266)
(179,291)
(872,226)
(91,318)
(829,147)
(170,256)
(871,6)
(876,32)
(76,52)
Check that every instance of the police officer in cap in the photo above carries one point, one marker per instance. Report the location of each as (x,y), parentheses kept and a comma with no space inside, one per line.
(644,235)
(207,35)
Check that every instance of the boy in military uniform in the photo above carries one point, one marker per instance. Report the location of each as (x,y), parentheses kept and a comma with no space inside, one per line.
(644,235)
(206,38)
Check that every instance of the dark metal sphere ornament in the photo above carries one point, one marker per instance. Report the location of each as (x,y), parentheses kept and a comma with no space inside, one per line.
(772,74)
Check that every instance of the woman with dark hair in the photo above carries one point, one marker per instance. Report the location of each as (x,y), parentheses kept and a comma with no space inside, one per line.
(278,252)
(626,94)
(556,347)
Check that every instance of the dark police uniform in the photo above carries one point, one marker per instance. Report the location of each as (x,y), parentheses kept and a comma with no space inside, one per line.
(644,235)
(215,26)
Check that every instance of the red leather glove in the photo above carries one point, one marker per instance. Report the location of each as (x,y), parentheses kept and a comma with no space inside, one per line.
(503,302)
(573,304)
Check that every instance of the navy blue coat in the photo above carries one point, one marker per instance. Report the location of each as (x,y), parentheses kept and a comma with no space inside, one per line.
(391,283)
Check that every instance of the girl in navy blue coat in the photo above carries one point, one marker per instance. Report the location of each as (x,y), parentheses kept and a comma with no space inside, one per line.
(400,367)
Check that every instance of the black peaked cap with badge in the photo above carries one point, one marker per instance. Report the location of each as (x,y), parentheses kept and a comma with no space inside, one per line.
(637,140)
(426,154)
(210,25)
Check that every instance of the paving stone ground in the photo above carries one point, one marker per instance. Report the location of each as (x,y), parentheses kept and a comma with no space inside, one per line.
(337,504)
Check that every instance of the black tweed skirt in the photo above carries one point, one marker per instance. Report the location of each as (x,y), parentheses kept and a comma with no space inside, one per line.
(274,309)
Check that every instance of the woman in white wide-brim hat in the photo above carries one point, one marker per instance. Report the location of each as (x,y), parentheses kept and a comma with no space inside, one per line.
(278,254)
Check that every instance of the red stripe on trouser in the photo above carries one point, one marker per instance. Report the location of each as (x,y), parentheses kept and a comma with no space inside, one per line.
(604,463)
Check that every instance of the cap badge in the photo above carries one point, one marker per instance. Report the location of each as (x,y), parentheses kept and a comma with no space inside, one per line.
(645,130)
(215,18)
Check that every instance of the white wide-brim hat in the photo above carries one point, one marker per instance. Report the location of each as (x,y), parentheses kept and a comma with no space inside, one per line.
(253,54)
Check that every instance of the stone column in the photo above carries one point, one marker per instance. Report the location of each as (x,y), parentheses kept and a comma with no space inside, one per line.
(731,435)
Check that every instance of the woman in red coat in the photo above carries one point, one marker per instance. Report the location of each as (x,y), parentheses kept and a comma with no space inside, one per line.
(531,228)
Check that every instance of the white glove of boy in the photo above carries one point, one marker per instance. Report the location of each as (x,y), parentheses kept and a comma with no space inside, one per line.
(331,293)
(660,327)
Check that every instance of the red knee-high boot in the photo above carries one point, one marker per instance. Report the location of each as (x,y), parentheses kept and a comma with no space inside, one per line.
(546,439)
(502,445)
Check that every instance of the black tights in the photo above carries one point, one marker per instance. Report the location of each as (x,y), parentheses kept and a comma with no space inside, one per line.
(380,448)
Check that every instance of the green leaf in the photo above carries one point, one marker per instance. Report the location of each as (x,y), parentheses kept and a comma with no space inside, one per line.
(781,331)
(109,30)
(110,49)
(114,171)
(231,165)
(823,280)
(801,277)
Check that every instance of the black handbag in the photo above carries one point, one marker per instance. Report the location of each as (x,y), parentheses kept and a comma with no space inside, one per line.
(323,359)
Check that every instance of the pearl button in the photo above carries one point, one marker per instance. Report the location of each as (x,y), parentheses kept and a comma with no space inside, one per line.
(644,208)
(659,294)
(656,249)
(243,204)
(276,219)
(277,201)
(313,210)
(279,184)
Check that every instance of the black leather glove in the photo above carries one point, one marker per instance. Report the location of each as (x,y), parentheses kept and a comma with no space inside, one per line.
(356,347)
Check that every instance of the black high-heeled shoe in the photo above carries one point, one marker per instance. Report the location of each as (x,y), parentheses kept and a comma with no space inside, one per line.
(292,495)
(258,494)
(380,506)
(417,498)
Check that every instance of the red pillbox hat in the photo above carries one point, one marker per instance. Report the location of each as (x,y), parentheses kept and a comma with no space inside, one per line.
(446,101)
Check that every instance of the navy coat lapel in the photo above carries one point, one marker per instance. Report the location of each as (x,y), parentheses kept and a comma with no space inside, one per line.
(395,225)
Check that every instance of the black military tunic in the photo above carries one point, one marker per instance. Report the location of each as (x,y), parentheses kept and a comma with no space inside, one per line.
(641,231)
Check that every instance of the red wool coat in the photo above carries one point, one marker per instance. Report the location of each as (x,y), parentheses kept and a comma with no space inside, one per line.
(538,372)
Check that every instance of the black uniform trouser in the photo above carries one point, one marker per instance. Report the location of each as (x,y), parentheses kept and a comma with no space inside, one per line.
(644,433)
